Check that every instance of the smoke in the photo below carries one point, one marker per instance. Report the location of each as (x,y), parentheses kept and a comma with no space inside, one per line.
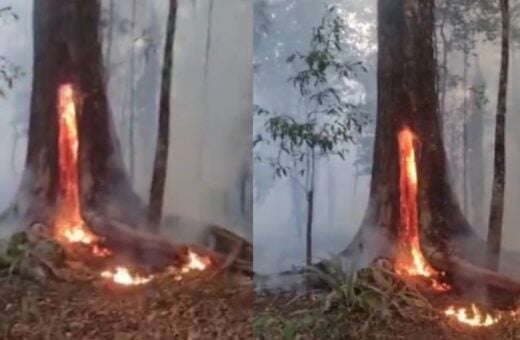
(210,154)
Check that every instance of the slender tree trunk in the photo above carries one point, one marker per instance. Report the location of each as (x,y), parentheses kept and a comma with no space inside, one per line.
(310,206)
(476,164)
(108,57)
(131,127)
(163,136)
(465,135)
(444,68)
(494,238)
(308,232)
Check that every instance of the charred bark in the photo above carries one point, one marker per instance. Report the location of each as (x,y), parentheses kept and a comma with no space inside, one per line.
(496,214)
(163,137)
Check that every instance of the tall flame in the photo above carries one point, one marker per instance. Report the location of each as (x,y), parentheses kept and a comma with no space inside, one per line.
(69,225)
(410,260)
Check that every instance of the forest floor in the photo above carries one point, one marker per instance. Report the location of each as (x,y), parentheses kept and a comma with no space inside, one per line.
(192,308)
(374,305)
(302,316)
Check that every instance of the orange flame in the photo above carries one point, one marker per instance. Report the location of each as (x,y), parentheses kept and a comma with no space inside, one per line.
(475,318)
(122,276)
(410,260)
(69,224)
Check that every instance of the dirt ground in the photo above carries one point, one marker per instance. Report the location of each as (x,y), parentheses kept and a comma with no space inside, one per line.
(193,308)
(304,316)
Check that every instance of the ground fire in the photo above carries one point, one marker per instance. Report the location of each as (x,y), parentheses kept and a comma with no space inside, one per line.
(70,228)
(471,316)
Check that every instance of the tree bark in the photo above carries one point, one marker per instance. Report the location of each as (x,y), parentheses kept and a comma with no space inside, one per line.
(163,137)
(494,238)
(407,96)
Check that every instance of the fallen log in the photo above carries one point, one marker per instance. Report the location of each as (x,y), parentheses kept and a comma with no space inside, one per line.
(136,246)
(506,289)
(158,253)
(225,241)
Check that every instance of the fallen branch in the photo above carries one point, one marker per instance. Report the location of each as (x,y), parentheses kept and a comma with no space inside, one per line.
(463,269)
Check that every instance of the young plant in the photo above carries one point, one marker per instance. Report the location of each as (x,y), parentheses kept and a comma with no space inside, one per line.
(330,119)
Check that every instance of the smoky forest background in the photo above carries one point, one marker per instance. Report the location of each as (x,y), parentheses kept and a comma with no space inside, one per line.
(315,101)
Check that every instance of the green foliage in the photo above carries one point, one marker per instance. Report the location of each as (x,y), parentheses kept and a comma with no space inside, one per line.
(331,119)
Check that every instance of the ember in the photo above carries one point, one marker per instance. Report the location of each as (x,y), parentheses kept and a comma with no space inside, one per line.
(472,317)
(410,260)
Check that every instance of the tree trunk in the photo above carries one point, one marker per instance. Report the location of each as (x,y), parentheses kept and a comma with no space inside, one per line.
(407,96)
(494,238)
(308,234)
(476,165)
(67,49)
(110,40)
(131,126)
(444,67)
(465,136)
(163,137)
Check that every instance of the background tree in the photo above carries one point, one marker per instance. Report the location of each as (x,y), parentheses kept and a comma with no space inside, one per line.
(477,120)
(328,121)
(161,153)
(496,214)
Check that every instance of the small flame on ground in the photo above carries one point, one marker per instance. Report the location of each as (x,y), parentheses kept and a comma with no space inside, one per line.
(195,262)
(471,316)
(122,276)
(410,260)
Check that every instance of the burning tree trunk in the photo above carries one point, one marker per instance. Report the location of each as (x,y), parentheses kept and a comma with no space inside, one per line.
(74,180)
(413,216)
(494,239)
(407,98)
(69,106)
(161,152)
